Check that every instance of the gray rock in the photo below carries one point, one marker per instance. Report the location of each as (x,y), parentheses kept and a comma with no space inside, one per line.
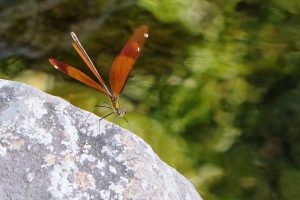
(49,151)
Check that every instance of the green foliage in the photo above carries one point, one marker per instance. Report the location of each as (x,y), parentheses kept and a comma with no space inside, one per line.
(215,93)
(10,66)
(237,90)
(289,184)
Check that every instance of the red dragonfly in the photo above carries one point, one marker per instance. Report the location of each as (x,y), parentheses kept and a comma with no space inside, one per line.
(119,71)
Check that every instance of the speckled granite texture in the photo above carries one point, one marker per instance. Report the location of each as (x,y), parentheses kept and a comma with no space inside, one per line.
(48,151)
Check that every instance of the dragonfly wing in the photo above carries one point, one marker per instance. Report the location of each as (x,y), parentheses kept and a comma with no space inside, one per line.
(124,62)
(76,74)
(81,51)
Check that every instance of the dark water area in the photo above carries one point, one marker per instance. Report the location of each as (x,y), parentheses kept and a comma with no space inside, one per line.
(215,91)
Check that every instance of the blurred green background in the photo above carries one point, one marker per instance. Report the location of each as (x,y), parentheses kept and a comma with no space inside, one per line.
(215,92)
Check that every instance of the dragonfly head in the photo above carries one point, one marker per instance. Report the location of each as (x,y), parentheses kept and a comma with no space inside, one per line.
(121,113)
(117,107)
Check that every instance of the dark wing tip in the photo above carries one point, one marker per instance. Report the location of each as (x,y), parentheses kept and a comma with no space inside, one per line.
(144,29)
(52,61)
(58,65)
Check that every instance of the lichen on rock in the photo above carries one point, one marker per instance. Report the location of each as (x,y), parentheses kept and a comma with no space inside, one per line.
(47,151)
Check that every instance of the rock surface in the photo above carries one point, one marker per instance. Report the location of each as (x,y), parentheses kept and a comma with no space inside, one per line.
(48,151)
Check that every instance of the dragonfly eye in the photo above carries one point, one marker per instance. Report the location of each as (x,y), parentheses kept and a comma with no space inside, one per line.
(121,113)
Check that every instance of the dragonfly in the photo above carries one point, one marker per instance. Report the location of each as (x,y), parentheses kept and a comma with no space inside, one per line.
(118,73)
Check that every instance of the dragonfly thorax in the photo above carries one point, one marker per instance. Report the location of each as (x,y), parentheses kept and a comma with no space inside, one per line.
(117,107)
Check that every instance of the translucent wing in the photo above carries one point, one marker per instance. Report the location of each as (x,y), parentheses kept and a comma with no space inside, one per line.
(76,74)
(124,62)
(80,50)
